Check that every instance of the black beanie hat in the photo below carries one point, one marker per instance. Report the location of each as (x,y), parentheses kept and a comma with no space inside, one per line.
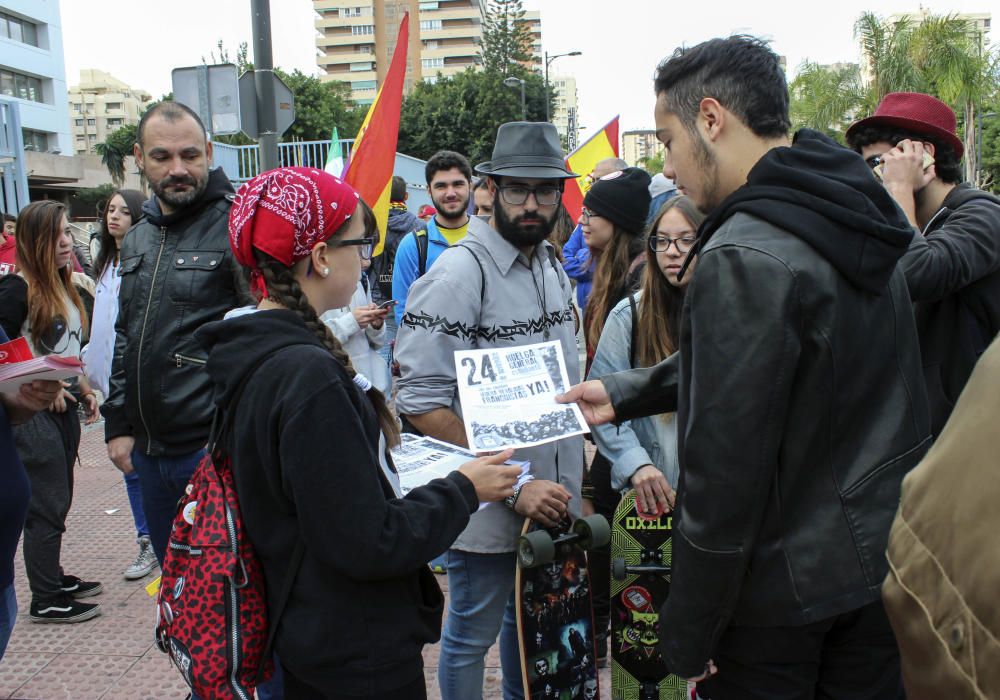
(622,198)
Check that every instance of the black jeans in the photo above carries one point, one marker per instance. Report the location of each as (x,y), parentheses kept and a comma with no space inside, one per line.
(297,690)
(848,657)
(605,501)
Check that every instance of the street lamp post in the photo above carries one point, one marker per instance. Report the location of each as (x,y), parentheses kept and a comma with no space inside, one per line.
(513,82)
(548,60)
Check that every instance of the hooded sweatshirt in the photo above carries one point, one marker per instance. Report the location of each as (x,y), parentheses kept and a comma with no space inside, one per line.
(401,222)
(303,448)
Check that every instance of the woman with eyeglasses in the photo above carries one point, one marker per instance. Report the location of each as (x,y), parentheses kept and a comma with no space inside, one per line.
(320,498)
(40,303)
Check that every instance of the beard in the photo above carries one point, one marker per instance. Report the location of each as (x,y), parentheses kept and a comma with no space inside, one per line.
(524,230)
(709,166)
(455,210)
(180,200)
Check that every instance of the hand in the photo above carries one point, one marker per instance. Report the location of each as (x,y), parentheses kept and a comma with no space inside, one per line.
(379,317)
(493,480)
(90,408)
(710,670)
(120,452)
(593,400)
(544,502)
(364,315)
(38,395)
(652,490)
(903,167)
(59,405)
(587,507)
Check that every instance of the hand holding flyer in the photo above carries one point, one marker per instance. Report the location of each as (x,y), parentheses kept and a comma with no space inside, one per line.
(508,396)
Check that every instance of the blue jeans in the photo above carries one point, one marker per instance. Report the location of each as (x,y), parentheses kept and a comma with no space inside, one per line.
(481,605)
(134,491)
(162,481)
(8,615)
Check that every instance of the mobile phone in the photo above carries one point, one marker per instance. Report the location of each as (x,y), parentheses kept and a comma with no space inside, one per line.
(386,304)
(928,162)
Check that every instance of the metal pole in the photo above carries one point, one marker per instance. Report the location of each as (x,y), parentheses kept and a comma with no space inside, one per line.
(524,109)
(548,117)
(263,59)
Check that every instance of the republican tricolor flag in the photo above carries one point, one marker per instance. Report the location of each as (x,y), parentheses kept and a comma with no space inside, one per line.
(603,144)
(374,154)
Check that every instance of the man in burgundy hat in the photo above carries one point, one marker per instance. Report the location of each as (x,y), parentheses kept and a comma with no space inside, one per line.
(953,269)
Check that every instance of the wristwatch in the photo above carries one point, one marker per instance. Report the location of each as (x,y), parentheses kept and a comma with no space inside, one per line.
(512,499)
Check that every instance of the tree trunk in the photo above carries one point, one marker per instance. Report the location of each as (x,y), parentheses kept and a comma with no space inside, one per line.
(971,161)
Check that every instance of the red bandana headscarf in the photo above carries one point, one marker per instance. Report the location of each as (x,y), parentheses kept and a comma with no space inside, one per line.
(285,213)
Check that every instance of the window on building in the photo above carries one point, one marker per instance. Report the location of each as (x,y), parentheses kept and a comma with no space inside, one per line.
(432,45)
(113,106)
(91,122)
(359,67)
(432,63)
(363,30)
(430,79)
(362,85)
(18,29)
(77,107)
(430,24)
(428,6)
(115,122)
(35,140)
(23,87)
(79,122)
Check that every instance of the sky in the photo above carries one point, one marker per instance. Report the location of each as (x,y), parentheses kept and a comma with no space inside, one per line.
(621,40)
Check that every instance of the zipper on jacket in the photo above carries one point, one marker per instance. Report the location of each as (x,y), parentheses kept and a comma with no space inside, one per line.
(235,610)
(142,337)
(181,359)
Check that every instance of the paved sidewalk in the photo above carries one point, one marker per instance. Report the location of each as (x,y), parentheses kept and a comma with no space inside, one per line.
(112,657)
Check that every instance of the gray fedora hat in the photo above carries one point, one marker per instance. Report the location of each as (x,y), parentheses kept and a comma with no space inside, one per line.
(527,149)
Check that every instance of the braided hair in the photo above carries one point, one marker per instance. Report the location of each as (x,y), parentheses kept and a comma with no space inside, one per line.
(284,289)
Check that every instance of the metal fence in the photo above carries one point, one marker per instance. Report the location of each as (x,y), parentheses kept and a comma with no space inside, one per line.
(241,163)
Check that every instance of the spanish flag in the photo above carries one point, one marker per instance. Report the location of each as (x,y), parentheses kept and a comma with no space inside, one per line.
(374,153)
(603,144)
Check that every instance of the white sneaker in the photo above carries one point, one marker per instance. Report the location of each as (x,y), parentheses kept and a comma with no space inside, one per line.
(144,562)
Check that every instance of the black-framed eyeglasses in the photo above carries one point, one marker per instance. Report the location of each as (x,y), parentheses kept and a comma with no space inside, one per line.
(661,244)
(545,195)
(586,215)
(873,161)
(365,246)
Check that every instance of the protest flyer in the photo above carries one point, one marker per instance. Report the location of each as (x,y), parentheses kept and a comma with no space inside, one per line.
(508,396)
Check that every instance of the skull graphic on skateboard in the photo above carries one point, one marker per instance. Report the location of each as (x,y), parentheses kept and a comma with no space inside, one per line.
(641,549)
(555,617)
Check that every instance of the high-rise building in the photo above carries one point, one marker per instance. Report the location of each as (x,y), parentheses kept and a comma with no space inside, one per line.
(564,113)
(33,73)
(100,105)
(638,144)
(533,19)
(356,39)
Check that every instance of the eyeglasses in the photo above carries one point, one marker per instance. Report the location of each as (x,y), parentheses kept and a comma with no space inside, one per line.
(365,246)
(546,195)
(661,244)
(873,161)
(586,215)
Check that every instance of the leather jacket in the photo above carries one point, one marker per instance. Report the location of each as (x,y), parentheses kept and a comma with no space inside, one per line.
(800,407)
(177,274)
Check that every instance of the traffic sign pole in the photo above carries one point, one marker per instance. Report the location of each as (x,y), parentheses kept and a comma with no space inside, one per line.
(264,82)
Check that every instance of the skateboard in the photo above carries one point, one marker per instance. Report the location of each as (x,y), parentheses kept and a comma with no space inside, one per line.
(555,617)
(641,549)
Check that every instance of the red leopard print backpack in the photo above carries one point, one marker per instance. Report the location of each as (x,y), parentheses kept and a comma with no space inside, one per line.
(212,606)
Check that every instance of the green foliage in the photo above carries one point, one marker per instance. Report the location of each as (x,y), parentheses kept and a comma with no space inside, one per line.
(653,164)
(506,39)
(93,199)
(463,113)
(826,99)
(990,164)
(115,149)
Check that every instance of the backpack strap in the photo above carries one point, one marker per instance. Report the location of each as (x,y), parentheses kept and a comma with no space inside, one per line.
(635,329)
(423,241)
(482,273)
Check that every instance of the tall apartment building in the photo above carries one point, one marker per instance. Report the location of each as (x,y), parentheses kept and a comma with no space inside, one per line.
(638,144)
(533,19)
(100,105)
(33,73)
(356,39)
(564,113)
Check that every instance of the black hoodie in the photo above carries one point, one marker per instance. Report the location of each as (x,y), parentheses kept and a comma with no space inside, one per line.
(304,452)
(826,195)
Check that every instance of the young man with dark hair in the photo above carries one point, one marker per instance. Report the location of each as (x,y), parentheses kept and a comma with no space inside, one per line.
(953,265)
(449,180)
(797,389)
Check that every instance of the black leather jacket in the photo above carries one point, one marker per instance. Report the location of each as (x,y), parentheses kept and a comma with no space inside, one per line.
(800,407)
(178,273)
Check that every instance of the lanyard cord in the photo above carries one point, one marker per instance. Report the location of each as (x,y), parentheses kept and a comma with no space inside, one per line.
(539,295)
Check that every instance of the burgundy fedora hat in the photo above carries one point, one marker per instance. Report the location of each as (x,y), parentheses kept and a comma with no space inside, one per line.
(915,111)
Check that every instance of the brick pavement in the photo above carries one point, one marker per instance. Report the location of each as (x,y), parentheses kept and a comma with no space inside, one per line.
(112,657)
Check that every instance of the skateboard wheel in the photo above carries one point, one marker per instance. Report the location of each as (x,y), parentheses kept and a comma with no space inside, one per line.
(593,531)
(618,570)
(535,548)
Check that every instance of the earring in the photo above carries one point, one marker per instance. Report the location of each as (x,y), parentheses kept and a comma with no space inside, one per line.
(326,271)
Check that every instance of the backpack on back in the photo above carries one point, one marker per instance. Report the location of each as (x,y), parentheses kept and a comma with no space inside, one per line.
(211,610)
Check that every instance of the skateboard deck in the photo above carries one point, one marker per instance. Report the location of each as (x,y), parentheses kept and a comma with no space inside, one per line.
(555,619)
(640,582)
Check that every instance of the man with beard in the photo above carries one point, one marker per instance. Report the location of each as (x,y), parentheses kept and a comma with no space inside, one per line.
(449,180)
(798,390)
(177,274)
(500,287)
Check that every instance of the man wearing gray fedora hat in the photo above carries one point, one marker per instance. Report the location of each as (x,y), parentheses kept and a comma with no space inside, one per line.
(499,287)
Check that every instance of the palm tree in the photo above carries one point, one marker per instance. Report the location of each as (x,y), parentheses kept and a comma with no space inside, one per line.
(885,50)
(826,98)
(115,149)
